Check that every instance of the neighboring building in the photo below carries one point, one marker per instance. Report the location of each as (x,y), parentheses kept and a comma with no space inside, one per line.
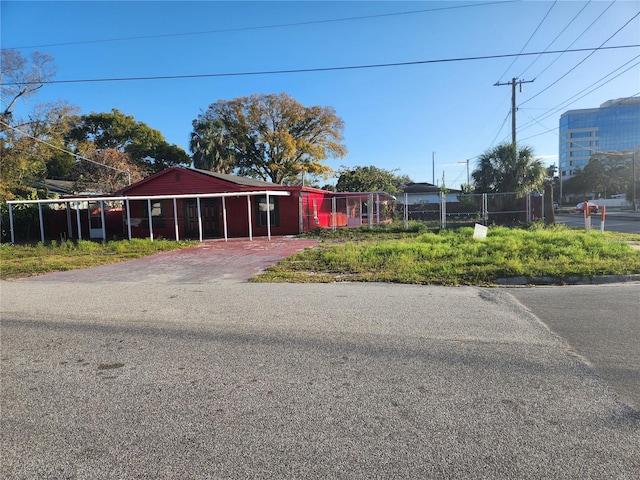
(615,126)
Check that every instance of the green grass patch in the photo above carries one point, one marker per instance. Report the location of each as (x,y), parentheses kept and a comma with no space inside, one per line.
(454,257)
(27,260)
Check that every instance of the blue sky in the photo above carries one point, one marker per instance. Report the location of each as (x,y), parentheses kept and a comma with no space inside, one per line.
(396,117)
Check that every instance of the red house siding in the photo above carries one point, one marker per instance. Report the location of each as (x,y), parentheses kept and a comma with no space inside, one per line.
(180,181)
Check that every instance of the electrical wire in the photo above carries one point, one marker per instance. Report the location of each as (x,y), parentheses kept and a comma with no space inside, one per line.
(319,69)
(564,104)
(577,38)
(530,38)
(56,147)
(556,37)
(266,27)
(581,61)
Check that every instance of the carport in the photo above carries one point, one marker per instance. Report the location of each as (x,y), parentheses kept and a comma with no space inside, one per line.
(100,201)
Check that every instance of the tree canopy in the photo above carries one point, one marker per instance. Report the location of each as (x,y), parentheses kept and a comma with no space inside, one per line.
(270,137)
(607,173)
(504,169)
(145,146)
(369,179)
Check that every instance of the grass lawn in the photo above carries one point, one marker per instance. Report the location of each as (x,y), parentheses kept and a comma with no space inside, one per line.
(454,257)
(384,254)
(26,260)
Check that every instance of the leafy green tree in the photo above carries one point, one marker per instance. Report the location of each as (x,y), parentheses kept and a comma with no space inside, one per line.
(270,137)
(607,173)
(369,179)
(504,170)
(145,147)
(34,149)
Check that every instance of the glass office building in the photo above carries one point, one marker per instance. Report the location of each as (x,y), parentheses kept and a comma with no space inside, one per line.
(615,126)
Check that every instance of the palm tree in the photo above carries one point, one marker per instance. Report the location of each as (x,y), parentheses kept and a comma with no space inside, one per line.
(210,147)
(503,170)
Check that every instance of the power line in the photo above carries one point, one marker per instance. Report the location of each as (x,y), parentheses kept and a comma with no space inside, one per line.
(583,60)
(266,27)
(320,69)
(568,101)
(577,38)
(557,36)
(56,147)
(531,37)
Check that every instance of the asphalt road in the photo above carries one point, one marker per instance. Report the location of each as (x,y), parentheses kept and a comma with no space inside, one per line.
(614,222)
(223,379)
(601,323)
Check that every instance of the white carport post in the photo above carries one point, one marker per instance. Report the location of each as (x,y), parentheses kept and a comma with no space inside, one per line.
(175,219)
(104,228)
(13,234)
(334,214)
(150,219)
(249,216)
(224,217)
(41,222)
(199,218)
(377,209)
(78,220)
(128,218)
(268,218)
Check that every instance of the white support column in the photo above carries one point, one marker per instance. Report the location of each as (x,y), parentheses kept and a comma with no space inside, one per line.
(13,233)
(249,216)
(377,209)
(175,219)
(199,219)
(224,218)
(333,213)
(268,218)
(41,222)
(78,221)
(406,210)
(104,227)
(128,218)
(150,219)
(370,210)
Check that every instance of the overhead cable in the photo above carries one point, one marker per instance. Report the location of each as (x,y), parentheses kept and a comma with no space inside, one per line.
(266,27)
(320,69)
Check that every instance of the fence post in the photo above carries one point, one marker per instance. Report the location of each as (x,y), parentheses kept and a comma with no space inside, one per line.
(406,211)
(11,228)
(443,210)
(485,209)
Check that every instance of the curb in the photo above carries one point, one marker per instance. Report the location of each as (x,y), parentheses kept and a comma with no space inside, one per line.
(571,280)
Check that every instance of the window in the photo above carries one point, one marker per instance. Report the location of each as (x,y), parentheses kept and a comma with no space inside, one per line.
(273,208)
(156,214)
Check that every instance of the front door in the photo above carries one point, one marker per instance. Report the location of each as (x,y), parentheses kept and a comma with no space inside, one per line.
(208,209)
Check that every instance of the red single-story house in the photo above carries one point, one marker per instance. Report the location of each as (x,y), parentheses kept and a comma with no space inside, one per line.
(185,203)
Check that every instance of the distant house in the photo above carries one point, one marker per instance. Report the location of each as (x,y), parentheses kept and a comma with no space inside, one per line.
(185,203)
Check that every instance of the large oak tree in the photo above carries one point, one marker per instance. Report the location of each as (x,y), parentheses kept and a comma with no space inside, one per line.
(270,137)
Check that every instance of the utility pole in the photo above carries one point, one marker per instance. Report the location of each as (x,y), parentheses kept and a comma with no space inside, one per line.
(514,108)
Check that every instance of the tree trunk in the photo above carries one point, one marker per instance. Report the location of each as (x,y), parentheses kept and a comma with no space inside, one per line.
(549,212)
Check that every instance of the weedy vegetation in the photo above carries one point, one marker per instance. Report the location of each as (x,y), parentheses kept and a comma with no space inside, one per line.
(454,257)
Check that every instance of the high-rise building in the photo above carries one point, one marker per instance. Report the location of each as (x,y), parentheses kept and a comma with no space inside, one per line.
(615,126)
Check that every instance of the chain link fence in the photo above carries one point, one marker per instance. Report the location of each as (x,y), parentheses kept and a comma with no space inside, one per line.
(457,210)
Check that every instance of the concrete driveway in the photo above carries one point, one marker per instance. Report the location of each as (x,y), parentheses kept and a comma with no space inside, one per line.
(213,261)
